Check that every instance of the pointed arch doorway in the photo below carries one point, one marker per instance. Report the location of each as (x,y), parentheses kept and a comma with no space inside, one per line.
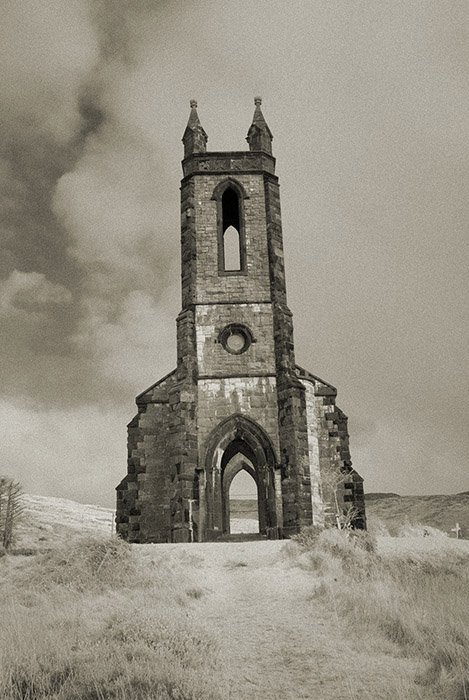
(233,467)
(238,443)
(242,504)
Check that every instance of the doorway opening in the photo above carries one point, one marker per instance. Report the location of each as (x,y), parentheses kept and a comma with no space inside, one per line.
(242,509)
(243,504)
(240,486)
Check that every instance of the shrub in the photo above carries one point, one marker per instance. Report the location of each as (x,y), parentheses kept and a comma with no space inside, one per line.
(86,563)
(364,540)
(351,551)
(419,530)
(334,540)
(308,536)
(417,601)
(23,551)
(92,620)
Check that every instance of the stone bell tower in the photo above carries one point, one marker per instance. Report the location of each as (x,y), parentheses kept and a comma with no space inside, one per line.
(236,399)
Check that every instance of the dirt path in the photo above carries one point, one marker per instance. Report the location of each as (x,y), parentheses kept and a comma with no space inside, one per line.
(277,640)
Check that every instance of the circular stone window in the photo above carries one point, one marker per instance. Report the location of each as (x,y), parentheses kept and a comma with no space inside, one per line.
(236,338)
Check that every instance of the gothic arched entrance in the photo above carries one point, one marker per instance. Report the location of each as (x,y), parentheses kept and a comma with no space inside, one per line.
(238,443)
(242,500)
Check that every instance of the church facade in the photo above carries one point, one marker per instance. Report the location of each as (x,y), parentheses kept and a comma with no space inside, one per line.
(236,400)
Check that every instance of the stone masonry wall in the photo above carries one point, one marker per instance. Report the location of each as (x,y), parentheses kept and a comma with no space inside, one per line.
(318,505)
(214,360)
(182,453)
(329,450)
(292,412)
(254,397)
(143,497)
(210,285)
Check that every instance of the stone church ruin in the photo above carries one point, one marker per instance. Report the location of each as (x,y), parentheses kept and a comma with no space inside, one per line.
(236,400)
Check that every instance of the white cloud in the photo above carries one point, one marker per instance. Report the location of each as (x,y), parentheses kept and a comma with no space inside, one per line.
(137,347)
(366,105)
(29,293)
(108,204)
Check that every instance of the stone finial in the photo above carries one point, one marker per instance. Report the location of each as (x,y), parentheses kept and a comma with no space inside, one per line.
(259,135)
(195,138)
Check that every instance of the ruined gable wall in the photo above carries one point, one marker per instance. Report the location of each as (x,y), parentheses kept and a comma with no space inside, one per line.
(329,450)
(143,497)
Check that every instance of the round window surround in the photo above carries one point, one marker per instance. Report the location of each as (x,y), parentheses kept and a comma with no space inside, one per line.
(236,338)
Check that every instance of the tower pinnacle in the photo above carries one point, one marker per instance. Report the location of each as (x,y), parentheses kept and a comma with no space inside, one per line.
(194,138)
(259,135)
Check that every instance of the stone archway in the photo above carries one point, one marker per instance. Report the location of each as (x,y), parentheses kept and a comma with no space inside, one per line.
(241,504)
(238,443)
(230,470)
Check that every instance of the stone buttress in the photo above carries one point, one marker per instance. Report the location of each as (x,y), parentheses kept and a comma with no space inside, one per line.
(236,399)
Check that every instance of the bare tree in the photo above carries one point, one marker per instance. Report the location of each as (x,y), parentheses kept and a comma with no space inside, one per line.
(332,478)
(348,518)
(11,508)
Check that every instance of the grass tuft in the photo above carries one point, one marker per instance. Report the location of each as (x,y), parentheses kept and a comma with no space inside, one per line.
(90,621)
(195,593)
(418,602)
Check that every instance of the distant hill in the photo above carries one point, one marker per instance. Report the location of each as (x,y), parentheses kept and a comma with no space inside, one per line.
(391,512)
(47,520)
(440,511)
(375,496)
(243,508)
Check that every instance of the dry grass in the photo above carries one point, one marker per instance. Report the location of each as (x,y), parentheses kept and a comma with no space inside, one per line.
(417,601)
(48,521)
(91,620)
(437,511)
(94,618)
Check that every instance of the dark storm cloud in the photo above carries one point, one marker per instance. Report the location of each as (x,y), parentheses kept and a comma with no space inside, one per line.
(47,50)
(81,273)
(78,199)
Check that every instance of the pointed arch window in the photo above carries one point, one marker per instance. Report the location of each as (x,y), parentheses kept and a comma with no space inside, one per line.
(231,239)
(231,249)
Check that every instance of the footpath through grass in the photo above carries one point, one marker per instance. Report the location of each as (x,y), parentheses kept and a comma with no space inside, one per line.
(325,617)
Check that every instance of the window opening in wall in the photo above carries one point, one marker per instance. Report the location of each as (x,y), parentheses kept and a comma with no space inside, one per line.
(236,338)
(231,231)
(244,510)
(231,250)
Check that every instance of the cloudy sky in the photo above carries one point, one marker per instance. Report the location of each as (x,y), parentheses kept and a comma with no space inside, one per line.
(368,104)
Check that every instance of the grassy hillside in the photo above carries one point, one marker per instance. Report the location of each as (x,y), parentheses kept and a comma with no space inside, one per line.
(395,512)
(391,512)
(90,618)
(326,616)
(48,520)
